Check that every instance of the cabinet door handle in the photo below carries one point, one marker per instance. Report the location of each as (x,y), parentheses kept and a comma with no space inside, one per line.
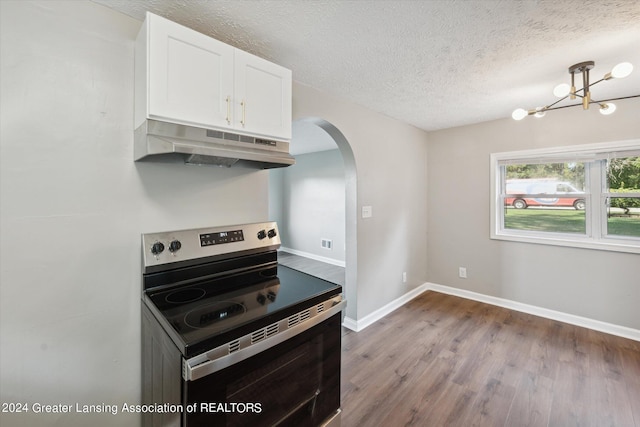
(244,111)
(228,110)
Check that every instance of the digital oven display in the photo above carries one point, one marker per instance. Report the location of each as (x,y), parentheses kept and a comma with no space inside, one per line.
(209,239)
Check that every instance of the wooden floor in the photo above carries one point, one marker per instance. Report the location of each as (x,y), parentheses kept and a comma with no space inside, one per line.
(441,360)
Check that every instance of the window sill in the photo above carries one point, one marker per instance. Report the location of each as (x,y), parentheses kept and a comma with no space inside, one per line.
(609,244)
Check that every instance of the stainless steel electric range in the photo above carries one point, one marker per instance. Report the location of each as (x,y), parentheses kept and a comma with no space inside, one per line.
(232,338)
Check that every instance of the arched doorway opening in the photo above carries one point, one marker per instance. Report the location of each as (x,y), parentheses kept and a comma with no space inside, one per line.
(307,132)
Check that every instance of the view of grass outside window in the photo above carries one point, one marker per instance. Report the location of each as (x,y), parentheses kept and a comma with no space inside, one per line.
(546,219)
(584,196)
(623,213)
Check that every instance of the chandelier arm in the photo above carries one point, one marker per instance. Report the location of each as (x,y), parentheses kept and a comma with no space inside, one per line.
(587,87)
(600,103)
(547,107)
(564,106)
(606,100)
(622,97)
(595,83)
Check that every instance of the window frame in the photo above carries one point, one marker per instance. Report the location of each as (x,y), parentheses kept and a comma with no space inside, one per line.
(594,156)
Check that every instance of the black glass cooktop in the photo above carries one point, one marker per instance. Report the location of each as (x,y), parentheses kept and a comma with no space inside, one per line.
(210,313)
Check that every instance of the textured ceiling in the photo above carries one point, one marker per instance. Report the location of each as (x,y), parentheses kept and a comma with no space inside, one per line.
(433,64)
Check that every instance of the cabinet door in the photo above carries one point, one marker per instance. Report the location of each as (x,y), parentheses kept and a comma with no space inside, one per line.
(262,101)
(190,76)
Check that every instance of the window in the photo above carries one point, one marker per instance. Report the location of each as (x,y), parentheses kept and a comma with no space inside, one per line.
(584,196)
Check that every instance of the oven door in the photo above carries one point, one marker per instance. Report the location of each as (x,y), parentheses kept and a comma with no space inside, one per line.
(294,383)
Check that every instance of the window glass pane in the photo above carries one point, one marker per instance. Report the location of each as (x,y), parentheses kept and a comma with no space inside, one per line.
(558,220)
(623,218)
(623,173)
(545,197)
(623,213)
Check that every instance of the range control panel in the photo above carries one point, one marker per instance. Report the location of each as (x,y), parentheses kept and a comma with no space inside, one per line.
(161,249)
(220,237)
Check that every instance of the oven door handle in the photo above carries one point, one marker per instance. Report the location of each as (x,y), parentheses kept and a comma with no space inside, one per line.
(258,341)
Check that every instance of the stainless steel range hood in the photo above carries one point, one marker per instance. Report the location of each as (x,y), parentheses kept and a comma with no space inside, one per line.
(170,142)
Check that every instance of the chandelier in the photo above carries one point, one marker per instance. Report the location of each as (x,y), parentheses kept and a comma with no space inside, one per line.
(564,91)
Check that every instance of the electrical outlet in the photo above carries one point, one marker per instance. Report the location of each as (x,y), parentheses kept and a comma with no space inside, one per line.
(404,277)
(326,243)
(462,272)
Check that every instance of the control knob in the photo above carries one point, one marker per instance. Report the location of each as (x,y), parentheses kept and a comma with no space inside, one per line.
(157,248)
(175,245)
(262,234)
(272,233)
(271,296)
(261,299)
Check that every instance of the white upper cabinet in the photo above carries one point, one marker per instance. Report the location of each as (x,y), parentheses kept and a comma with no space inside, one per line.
(185,77)
(262,96)
(190,75)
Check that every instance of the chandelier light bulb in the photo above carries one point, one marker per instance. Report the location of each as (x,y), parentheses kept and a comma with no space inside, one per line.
(519,114)
(607,108)
(562,90)
(622,70)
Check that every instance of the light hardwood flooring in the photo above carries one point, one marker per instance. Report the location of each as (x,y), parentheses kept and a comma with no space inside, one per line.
(442,360)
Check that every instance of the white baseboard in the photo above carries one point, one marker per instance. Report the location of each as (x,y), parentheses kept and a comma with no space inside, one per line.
(609,328)
(349,323)
(313,256)
(358,325)
(596,325)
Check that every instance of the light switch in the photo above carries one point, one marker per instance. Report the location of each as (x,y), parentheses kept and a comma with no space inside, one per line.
(367,212)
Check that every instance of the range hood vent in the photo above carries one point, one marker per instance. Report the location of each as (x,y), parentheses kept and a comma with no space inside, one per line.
(171,143)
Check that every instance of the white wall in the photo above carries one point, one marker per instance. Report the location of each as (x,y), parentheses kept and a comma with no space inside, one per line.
(73,205)
(276,196)
(589,283)
(390,159)
(313,200)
